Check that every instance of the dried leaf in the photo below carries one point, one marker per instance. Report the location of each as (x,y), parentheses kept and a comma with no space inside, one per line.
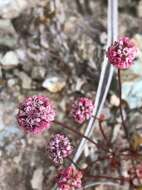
(136,141)
(139,188)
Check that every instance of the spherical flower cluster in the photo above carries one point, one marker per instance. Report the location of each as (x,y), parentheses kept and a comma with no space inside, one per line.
(69,179)
(82,109)
(59,148)
(35,114)
(122,53)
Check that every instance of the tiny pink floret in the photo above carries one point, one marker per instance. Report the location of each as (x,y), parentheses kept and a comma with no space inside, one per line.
(82,109)
(122,53)
(35,114)
(69,179)
(59,148)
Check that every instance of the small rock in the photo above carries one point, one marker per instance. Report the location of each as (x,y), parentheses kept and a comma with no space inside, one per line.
(21,54)
(8,36)
(70,25)
(103,38)
(26,80)
(11,82)
(10,60)
(17,159)
(12,8)
(37,179)
(139,9)
(114,100)
(38,73)
(54,84)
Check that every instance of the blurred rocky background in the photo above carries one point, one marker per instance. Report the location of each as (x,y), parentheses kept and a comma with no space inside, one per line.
(55,48)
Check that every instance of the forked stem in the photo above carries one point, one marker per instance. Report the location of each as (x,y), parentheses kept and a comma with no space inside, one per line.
(78,133)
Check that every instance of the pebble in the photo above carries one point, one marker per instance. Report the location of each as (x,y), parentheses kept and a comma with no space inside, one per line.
(54,84)
(38,73)
(139,9)
(103,38)
(114,100)
(12,8)
(8,36)
(26,80)
(37,179)
(9,60)
(70,26)
(11,82)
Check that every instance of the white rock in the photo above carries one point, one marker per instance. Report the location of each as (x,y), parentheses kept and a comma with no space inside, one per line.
(10,60)
(26,80)
(38,73)
(114,100)
(140,9)
(12,8)
(37,179)
(8,36)
(11,82)
(54,84)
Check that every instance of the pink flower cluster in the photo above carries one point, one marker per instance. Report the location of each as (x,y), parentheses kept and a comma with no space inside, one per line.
(82,109)
(35,114)
(69,179)
(59,147)
(122,53)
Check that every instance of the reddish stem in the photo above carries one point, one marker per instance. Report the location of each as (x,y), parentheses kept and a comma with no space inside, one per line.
(122,117)
(103,133)
(109,177)
(78,133)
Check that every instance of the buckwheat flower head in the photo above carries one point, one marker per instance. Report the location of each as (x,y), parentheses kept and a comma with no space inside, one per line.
(69,179)
(35,114)
(59,148)
(122,53)
(82,109)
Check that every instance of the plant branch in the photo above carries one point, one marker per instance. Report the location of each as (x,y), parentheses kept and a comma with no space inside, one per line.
(96,183)
(78,133)
(103,133)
